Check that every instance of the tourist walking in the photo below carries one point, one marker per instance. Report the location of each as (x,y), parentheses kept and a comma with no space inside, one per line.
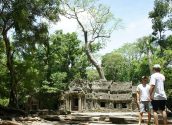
(143,99)
(157,94)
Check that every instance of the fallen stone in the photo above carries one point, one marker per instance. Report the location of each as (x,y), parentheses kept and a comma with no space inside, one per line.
(52,117)
(28,119)
(81,118)
(10,123)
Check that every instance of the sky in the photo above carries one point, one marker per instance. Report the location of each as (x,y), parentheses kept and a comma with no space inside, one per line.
(135,22)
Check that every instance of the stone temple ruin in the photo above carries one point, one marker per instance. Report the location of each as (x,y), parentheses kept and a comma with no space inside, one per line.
(98,96)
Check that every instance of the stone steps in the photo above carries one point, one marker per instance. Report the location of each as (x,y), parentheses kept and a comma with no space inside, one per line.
(112,118)
(97,118)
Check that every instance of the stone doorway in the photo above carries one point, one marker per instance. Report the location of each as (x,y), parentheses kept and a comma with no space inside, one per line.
(75,105)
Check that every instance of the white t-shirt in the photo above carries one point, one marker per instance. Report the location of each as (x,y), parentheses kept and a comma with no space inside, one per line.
(144,92)
(158,79)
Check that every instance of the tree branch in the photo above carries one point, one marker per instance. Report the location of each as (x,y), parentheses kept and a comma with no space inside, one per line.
(98,36)
(83,29)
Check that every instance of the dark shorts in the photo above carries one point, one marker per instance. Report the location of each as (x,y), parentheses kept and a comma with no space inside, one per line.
(158,105)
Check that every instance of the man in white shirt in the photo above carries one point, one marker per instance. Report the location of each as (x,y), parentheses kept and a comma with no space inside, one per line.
(157,94)
(143,99)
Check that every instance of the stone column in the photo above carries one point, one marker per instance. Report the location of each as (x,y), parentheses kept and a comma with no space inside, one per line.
(80,104)
(70,104)
(85,106)
(67,104)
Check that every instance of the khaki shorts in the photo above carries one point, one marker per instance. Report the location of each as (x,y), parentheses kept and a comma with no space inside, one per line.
(145,106)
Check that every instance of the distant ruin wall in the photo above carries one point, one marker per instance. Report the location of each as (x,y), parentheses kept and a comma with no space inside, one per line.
(98,96)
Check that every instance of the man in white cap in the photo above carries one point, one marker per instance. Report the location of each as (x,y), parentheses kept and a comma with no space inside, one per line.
(157,94)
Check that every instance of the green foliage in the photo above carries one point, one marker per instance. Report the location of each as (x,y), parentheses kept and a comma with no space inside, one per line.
(68,55)
(56,85)
(39,62)
(160,21)
(20,18)
(4,101)
(160,11)
(130,51)
(168,42)
(132,60)
(139,69)
(115,65)
(46,66)
(92,75)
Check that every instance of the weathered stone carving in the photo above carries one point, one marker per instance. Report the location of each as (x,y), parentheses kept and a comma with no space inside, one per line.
(98,96)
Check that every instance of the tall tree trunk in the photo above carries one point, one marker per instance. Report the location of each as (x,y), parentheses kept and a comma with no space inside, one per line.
(149,55)
(48,72)
(88,51)
(149,60)
(91,58)
(10,65)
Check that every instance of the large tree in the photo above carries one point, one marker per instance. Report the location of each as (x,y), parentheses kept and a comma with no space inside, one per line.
(138,56)
(21,17)
(95,21)
(66,55)
(115,66)
(146,48)
(160,22)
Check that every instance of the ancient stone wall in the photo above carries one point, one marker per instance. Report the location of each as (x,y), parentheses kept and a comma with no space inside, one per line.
(98,96)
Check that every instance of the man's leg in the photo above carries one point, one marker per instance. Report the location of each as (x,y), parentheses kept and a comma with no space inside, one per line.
(155,114)
(155,105)
(142,109)
(163,111)
(149,109)
(164,115)
(149,118)
(140,117)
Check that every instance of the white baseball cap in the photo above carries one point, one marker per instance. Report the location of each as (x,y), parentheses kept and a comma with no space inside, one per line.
(157,66)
